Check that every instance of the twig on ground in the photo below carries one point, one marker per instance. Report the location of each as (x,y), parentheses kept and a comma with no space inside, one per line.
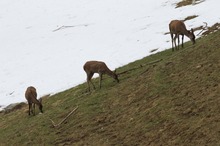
(56,125)
(153,62)
(203,28)
(149,63)
(129,70)
(144,71)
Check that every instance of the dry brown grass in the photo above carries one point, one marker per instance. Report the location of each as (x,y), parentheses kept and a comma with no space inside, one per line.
(188,2)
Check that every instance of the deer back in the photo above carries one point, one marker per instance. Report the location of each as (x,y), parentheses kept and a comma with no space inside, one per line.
(177,27)
(95,67)
(31,95)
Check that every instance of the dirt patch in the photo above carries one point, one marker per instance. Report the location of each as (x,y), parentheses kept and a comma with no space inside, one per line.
(205,30)
(153,50)
(190,18)
(14,107)
(212,29)
(188,2)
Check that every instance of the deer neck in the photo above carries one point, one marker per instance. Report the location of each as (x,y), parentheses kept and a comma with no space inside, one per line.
(110,73)
(187,33)
(36,101)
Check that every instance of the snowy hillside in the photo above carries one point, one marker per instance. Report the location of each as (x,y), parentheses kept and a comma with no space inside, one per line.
(46,43)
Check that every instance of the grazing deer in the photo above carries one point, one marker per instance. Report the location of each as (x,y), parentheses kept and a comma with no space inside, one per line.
(31,96)
(177,28)
(99,67)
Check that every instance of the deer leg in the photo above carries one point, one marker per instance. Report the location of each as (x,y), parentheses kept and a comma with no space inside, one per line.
(88,82)
(92,84)
(178,39)
(175,41)
(91,80)
(100,80)
(182,40)
(172,41)
(29,111)
(89,77)
(34,110)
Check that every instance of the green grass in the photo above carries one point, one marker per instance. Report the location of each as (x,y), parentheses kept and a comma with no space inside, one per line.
(174,101)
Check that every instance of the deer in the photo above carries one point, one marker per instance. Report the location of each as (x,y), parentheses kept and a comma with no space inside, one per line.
(178,28)
(31,96)
(91,67)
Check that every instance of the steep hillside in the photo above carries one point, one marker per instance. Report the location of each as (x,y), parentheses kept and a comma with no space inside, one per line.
(45,43)
(170,98)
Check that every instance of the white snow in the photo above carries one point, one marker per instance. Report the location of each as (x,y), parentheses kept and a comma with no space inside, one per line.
(35,53)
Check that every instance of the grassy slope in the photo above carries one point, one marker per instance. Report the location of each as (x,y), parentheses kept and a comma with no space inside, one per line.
(171,102)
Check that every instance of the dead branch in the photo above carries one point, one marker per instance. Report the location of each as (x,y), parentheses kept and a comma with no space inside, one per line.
(56,125)
(144,71)
(203,28)
(129,70)
(149,63)
(153,62)
(83,94)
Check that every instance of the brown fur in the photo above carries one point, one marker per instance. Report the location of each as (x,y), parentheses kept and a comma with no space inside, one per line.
(177,28)
(31,96)
(99,67)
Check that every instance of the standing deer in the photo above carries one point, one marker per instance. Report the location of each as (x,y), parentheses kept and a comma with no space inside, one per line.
(177,28)
(99,67)
(31,96)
